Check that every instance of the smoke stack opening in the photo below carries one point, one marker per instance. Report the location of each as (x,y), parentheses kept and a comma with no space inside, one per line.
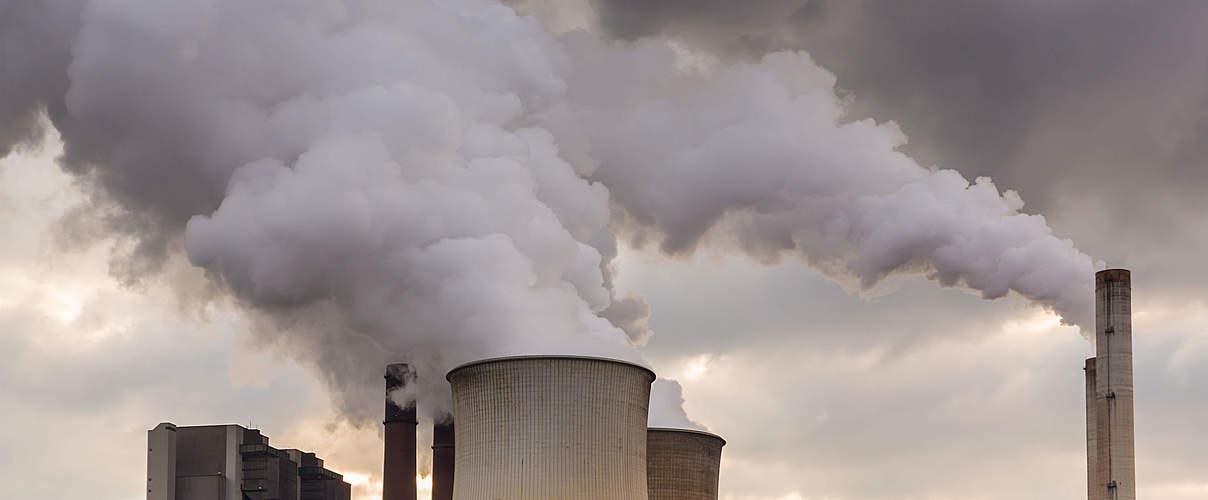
(398,465)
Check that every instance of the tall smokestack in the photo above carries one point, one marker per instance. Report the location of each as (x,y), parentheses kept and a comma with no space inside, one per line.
(1092,478)
(398,470)
(443,458)
(1113,462)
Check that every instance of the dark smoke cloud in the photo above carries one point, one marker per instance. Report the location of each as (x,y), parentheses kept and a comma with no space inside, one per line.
(351,172)
(1077,105)
(131,138)
(760,156)
(441,181)
(35,46)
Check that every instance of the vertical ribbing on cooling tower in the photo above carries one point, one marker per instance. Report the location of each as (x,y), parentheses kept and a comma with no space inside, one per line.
(550,427)
(682,464)
(1114,386)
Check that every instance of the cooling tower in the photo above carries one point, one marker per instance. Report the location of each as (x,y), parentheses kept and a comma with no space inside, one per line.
(550,427)
(682,464)
(1110,473)
(398,465)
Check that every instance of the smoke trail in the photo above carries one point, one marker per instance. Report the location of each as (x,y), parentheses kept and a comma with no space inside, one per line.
(440,181)
(667,406)
(758,157)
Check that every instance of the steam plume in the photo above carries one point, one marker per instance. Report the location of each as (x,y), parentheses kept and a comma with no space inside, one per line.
(759,156)
(440,181)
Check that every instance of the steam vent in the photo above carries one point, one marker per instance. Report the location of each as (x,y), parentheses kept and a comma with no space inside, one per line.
(682,464)
(550,427)
(1109,392)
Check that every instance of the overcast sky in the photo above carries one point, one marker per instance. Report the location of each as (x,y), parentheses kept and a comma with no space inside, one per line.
(117,311)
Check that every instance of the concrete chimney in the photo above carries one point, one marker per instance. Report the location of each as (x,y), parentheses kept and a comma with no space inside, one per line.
(1112,475)
(443,458)
(398,470)
(1092,480)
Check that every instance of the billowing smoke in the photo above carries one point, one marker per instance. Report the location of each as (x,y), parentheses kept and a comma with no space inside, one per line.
(758,157)
(667,406)
(435,182)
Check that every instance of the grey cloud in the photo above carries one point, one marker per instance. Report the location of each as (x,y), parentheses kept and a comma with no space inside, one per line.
(731,306)
(91,387)
(756,157)
(350,196)
(946,420)
(296,148)
(630,314)
(742,22)
(35,36)
(1094,113)
(437,182)
(90,365)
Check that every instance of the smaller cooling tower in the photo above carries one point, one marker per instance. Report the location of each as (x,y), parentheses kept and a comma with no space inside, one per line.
(550,427)
(682,464)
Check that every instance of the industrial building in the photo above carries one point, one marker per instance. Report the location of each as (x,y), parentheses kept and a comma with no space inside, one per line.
(1110,460)
(231,462)
(545,427)
(549,427)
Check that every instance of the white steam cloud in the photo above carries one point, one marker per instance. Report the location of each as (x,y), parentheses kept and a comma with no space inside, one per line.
(757,157)
(438,181)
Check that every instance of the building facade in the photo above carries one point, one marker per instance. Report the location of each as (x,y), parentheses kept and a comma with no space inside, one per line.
(231,462)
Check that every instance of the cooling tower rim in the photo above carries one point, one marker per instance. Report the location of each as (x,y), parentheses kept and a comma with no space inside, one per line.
(449,375)
(687,431)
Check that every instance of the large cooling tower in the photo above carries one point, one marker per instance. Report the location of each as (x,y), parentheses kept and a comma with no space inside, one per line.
(682,464)
(550,427)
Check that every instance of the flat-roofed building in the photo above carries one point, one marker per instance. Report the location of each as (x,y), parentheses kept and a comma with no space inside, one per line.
(231,462)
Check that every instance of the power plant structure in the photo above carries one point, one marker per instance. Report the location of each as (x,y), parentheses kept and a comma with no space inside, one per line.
(444,458)
(547,427)
(232,462)
(1110,459)
(682,464)
(398,464)
(550,427)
